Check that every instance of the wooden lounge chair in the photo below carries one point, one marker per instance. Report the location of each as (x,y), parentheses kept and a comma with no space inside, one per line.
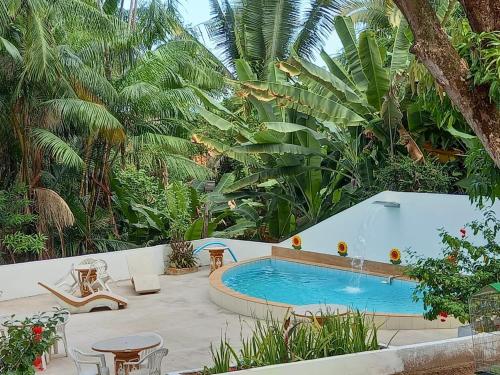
(77,305)
(142,273)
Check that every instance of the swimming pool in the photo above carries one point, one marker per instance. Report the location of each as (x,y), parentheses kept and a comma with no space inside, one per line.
(302,284)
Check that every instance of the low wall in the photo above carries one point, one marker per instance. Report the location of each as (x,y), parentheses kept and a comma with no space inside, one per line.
(20,280)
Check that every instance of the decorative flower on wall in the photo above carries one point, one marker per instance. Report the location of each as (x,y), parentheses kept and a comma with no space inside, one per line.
(342,248)
(395,256)
(297,242)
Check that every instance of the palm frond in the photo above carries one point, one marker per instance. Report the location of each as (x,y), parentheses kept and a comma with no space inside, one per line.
(279,22)
(57,148)
(95,117)
(221,30)
(317,26)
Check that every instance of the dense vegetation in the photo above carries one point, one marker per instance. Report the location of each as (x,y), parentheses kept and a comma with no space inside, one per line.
(119,128)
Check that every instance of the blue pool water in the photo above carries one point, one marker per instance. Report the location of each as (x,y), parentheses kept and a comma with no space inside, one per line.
(302,284)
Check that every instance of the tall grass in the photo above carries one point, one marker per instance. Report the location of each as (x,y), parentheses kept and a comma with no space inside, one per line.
(273,342)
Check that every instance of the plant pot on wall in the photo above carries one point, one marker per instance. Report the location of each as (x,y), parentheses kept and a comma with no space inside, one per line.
(182,259)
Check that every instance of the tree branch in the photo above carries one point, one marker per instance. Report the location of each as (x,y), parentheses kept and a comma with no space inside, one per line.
(434,49)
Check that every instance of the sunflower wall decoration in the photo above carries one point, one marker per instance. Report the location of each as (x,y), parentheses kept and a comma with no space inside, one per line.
(395,256)
(297,242)
(342,249)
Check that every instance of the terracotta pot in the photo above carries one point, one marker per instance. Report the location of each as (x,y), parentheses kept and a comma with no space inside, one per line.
(180,271)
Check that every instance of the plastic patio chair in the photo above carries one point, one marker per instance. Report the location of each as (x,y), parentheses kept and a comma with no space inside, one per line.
(146,352)
(61,335)
(102,277)
(149,365)
(89,363)
(68,282)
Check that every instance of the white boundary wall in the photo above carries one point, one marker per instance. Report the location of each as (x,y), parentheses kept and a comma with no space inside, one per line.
(21,280)
(370,231)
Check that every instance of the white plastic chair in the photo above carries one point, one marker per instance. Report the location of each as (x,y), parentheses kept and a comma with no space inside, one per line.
(149,365)
(146,352)
(102,277)
(68,282)
(89,363)
(61,335)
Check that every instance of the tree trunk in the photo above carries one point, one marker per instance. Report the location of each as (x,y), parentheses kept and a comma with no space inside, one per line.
(434,49)
(483,15)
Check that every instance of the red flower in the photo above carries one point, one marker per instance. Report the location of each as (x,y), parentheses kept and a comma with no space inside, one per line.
(443,315)
(38,363)
(463,232)
(37,331)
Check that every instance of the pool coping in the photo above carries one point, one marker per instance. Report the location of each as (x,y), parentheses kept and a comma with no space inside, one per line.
(260,308)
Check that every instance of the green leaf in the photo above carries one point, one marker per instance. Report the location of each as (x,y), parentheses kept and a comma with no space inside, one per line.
(56,147)
(214,120)
(378,81)
(275,148)
(287,127)
(347,35)
(306,102)
(11,49)
(400,50)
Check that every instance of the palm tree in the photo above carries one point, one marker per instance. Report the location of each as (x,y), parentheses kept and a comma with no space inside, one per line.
(262,32)
(82,91)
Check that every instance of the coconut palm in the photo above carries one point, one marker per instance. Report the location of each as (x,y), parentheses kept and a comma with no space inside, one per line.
(81,92)
(261,32)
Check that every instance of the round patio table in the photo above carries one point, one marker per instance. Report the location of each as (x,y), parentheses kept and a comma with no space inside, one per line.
(126,348)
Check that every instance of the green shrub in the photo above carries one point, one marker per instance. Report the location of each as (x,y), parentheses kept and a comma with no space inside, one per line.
(402,174)
(17,226)
(26,340)
(273,342)
(447,282)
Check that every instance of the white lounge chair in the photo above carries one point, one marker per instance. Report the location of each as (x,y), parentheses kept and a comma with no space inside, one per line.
(142,273)
(77,305)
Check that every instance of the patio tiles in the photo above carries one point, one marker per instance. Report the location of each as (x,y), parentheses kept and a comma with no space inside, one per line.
(182,313)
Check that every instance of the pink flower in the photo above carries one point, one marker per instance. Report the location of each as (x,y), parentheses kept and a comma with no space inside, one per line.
(463,232)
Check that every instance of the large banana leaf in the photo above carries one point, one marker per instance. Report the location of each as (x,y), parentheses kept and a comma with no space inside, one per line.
(345,30)
(378,80)
(306,102)
(245,73)
(275,148)
(264,175)
(333,84)
(338,70)
(214,120)
(400,50)
(287,127)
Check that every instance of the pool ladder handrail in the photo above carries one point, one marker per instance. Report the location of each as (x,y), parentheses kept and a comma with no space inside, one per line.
(204,246)
(392,277)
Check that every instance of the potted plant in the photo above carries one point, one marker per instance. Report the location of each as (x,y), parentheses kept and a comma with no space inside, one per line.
(181,259)
(26,340)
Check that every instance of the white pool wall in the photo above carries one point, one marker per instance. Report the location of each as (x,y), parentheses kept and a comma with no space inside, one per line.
(372,230)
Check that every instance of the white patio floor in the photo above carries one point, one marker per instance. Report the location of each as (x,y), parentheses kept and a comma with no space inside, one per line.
(182,313)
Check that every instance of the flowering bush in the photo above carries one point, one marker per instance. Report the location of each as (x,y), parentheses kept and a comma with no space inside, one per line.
(447,282)
(26,341)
